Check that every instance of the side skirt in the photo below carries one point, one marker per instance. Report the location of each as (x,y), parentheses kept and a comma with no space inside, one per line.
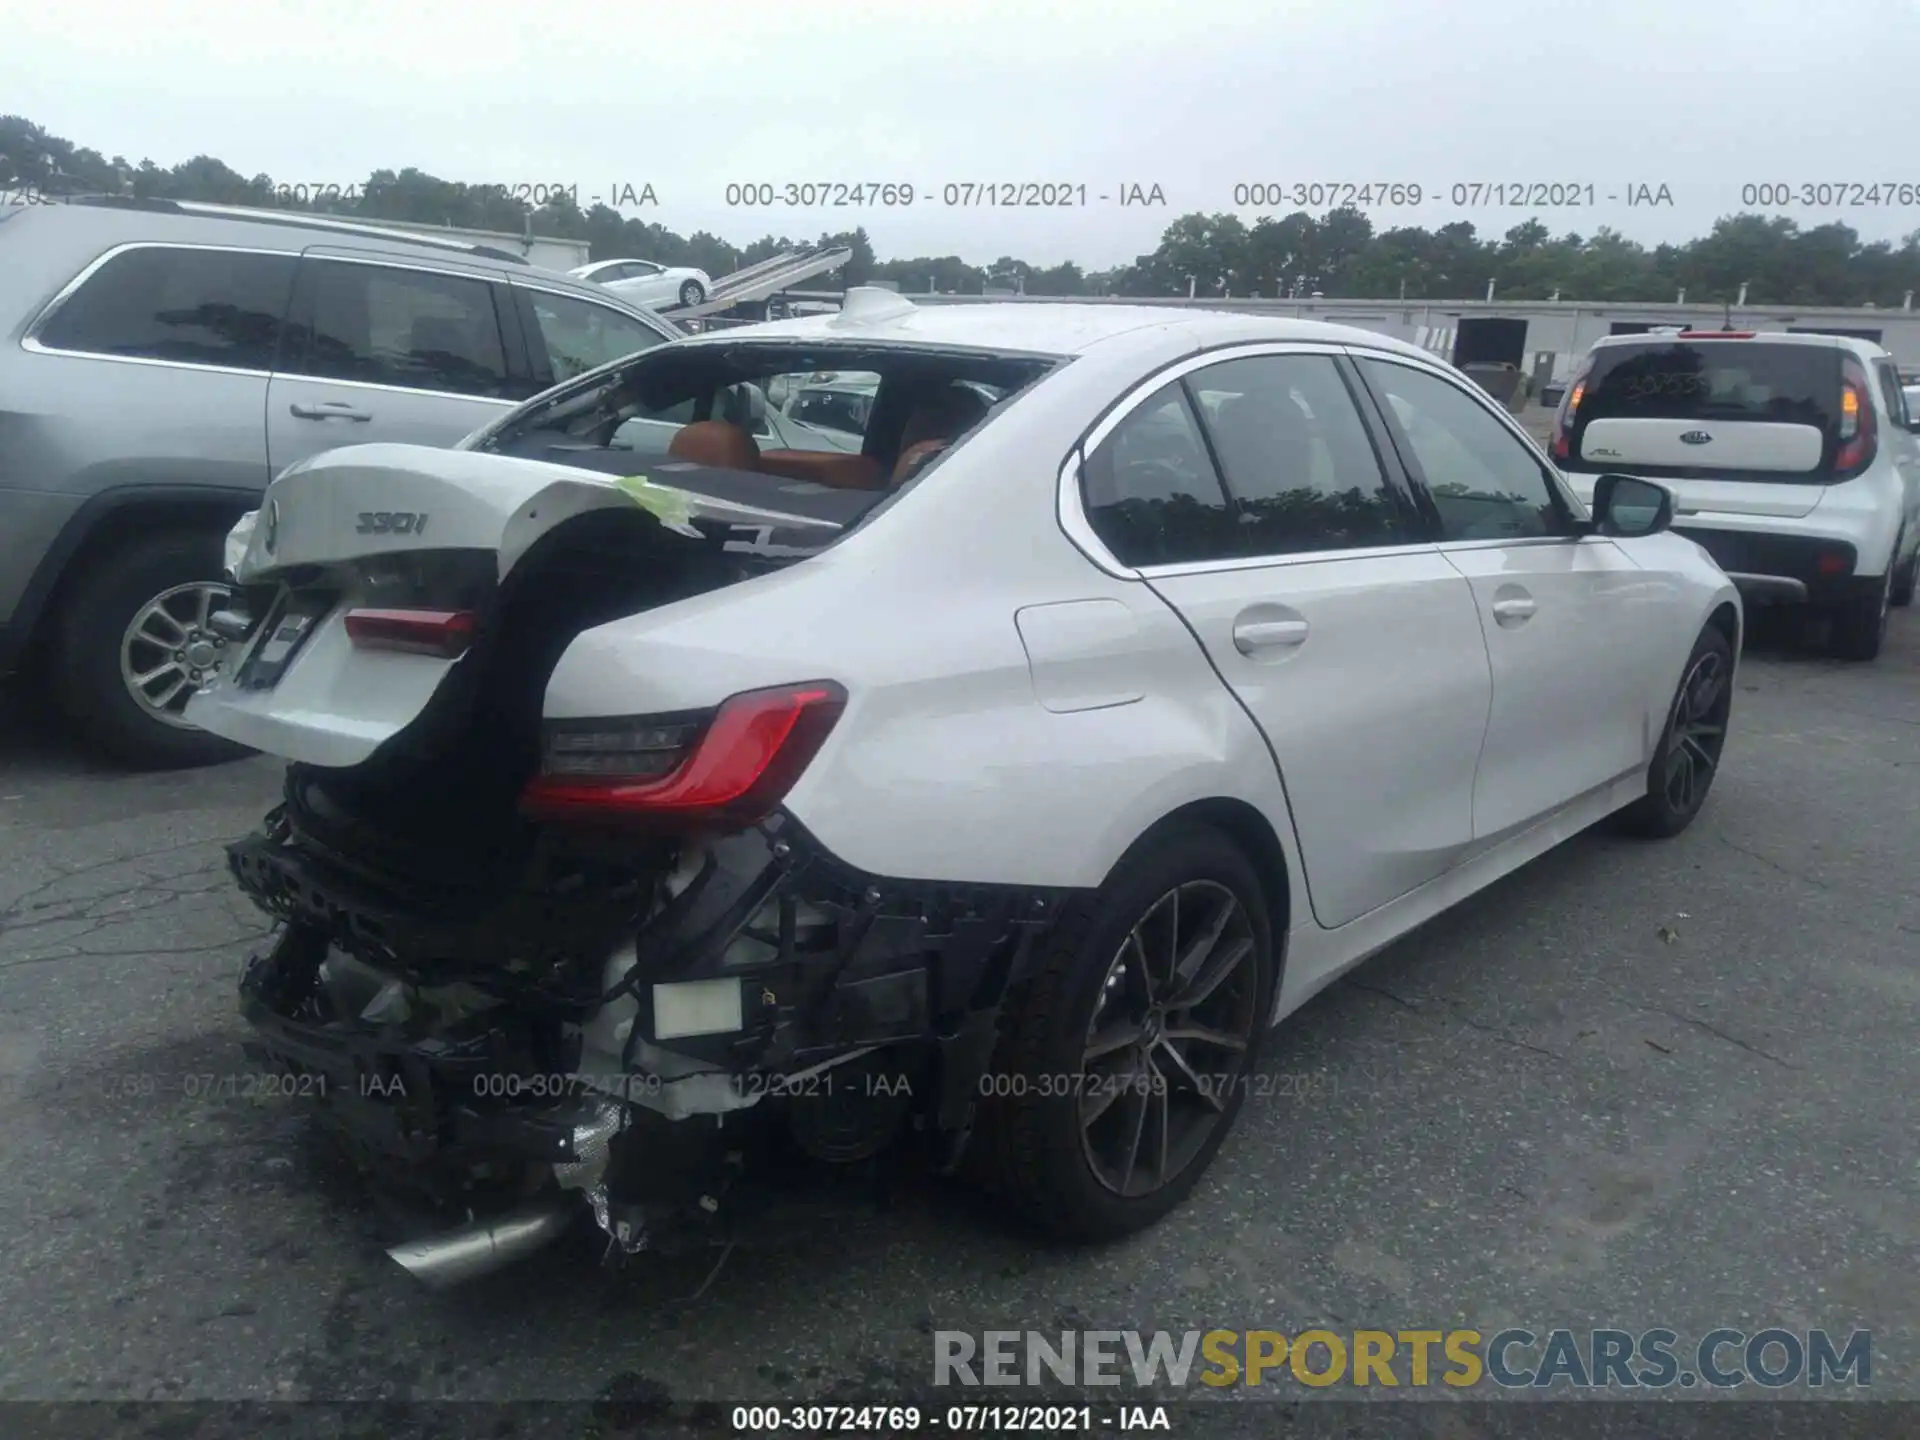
(1317,957)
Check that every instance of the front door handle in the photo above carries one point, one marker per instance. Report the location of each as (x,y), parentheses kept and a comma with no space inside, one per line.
(328,410)
(1252,635)
(1514,610)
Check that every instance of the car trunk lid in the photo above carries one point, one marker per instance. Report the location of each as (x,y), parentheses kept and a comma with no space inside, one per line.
(397,583)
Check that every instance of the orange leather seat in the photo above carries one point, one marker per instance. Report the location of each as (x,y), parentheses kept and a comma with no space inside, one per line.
(914,457)
(935,423)
(716,443)
(825,467)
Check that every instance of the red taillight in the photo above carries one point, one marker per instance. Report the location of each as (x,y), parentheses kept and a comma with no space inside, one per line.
(749,757)
(1858,438)
(445,633)
(1834,562)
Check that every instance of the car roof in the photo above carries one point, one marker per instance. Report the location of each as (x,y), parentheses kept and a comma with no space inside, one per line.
(1854,343)
(1043,328)
(102,223)
(272,229)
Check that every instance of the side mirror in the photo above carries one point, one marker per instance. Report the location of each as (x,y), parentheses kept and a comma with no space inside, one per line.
(1627,506)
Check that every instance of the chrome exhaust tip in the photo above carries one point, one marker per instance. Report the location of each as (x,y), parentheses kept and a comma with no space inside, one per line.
(457,1256)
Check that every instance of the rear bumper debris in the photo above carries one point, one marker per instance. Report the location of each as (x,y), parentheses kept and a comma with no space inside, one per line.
(486,1060)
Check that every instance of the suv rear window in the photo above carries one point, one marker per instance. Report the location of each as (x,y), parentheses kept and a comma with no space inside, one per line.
(1715,380)
(193,306)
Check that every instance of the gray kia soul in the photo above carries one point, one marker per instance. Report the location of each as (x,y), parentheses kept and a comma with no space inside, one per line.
(161,361)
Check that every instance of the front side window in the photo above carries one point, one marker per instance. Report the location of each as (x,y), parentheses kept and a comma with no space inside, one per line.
(1150,490)
(413,328)
(1485,483)
(191,306)
(1296,456)
(580,336)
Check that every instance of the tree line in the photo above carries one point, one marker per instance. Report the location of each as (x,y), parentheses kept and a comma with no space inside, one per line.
(1339,254)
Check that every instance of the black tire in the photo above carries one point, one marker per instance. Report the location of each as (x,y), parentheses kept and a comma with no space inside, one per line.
(102,601)
(1903,580)
(1029,1144)
(1860,624)
(691,293)
(1696,733)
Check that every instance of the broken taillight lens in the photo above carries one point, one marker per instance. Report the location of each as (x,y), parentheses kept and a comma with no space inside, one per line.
(737,766)
(444,633)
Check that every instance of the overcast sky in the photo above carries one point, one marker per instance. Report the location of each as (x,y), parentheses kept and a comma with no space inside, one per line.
(1193,97)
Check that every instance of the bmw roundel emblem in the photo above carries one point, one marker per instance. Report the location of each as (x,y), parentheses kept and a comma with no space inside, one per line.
(1696,437)
(273,526)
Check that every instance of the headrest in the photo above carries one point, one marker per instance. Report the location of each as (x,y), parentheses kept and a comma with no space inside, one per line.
(715,442)
(944,415)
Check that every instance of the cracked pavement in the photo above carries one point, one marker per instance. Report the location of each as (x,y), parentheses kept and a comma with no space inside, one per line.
(1634,1085)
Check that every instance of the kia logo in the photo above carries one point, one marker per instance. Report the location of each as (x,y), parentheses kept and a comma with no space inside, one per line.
(1696,437)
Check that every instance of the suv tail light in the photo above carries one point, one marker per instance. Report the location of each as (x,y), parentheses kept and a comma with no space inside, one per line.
(443,633)
(735,767)
(1569,405)
(1859,437)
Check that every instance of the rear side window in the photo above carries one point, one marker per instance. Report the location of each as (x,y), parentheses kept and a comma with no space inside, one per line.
(1151,492)
(1715,380)
(1296,456)
(191,306)
(413,328)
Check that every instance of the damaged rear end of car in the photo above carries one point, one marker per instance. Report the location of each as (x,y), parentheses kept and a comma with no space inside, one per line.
(535,968)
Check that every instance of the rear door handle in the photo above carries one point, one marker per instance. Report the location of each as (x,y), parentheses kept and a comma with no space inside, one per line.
(328,410)
(1252,635)
(1514,609)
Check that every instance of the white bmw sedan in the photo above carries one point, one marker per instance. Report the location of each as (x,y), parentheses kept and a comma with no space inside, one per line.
(992,789)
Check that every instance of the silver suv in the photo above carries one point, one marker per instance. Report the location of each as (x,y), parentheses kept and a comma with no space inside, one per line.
(161,361)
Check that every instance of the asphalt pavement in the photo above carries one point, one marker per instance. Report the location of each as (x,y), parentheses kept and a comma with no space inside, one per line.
(1635,1085)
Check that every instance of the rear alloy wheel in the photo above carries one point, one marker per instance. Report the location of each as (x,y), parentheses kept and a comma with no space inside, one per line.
(1860,625)
(134,646)
(1688,759)
(691,293)
(1125,1058)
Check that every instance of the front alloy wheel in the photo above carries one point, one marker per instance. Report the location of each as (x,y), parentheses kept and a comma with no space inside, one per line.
(1688,759)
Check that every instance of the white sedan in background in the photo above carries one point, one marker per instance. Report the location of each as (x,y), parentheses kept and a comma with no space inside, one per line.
(1142,673)
(641,282)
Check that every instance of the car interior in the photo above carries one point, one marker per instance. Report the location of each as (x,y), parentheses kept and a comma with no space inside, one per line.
(699,405)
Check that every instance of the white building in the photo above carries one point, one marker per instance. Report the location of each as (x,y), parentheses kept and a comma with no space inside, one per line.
(1535,334)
